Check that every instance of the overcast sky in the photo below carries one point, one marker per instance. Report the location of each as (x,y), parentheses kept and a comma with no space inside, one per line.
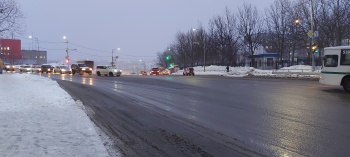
(140,28)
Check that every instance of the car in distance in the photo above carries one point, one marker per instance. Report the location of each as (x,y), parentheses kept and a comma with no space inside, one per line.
(107,71)
(62,69)
(188,72)
(25,68)
(142,73)
(46,68)
(154,71)
(165,72)
(36,68)
(81,69)
(9,67)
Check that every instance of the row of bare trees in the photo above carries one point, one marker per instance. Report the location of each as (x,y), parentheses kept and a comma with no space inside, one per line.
(233,37)
(11,24)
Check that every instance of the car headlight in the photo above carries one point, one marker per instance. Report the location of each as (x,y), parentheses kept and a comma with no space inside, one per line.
(63,70)
(48,69)
(90,68)
(83,69)
(39,69)
(28,68)
(7,66)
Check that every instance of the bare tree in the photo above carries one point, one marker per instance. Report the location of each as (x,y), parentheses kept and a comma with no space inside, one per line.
(334,22)
(11,18)
(250,28)
(278,26)
(225,36)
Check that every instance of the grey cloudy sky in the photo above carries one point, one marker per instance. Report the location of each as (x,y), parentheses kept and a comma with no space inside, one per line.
(141,28)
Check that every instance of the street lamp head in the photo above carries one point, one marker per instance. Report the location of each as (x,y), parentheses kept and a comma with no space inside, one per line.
(118,49)
(297,21)
(193,29)
(64,37)
(30,37)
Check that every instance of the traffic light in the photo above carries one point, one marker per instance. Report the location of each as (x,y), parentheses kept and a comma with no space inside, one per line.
(315,48)
(171,64)
(167,57)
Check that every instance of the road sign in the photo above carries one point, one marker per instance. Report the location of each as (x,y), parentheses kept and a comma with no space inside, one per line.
(316,34)
(310,34)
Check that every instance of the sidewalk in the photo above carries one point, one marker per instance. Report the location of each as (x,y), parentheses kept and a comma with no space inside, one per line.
(38,118)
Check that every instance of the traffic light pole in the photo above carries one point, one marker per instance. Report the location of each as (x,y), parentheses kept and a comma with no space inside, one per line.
(312,37)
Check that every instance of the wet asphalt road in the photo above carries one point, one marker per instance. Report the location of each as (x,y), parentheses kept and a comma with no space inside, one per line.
(217,116)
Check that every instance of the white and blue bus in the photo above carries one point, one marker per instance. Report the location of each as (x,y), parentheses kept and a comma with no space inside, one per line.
(336,67)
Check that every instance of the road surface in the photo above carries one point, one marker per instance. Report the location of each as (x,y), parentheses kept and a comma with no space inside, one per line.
(216,116)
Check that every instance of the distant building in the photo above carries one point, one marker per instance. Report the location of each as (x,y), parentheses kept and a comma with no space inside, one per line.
(34,57)
(10,50)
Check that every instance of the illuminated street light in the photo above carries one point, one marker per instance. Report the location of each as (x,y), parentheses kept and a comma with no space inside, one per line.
(36,40)
(67,50)
(118,49)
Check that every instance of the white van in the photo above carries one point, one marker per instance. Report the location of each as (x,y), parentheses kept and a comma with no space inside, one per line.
(336,67)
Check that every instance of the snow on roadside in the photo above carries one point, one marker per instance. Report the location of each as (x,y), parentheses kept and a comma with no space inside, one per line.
(40,119)
(249,71)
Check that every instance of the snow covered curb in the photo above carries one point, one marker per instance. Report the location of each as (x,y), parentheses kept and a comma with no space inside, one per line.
(41,119)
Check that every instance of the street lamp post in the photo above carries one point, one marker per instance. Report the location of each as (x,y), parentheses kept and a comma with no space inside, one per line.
(67,50)
(113,56)
(204,44)
(296,23)
(204,48)
(36,40)
(144,65)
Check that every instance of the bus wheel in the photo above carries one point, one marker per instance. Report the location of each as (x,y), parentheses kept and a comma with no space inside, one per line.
(346,85)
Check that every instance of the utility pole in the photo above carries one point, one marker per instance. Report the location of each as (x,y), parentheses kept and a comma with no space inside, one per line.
(67,50)
(112,57)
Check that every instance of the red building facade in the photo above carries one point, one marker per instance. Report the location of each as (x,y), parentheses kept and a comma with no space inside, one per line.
(10,50)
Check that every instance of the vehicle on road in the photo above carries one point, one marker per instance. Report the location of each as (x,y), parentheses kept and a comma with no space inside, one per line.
(25,68)
(36,68)
(142,73)
(336,67)
(165,72)
(107,71)
(9,67)
(154,71)
(81,69)
(46,68)
(188,72)
(62,69)
(88,63)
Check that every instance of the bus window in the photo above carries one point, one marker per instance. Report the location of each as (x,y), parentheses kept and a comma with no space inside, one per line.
(330,60)
(345,57)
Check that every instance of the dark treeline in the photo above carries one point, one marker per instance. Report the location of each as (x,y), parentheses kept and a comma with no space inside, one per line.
(233,37)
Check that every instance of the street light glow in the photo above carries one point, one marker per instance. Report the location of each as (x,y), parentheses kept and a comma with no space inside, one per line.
(64,37)
(30,37)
